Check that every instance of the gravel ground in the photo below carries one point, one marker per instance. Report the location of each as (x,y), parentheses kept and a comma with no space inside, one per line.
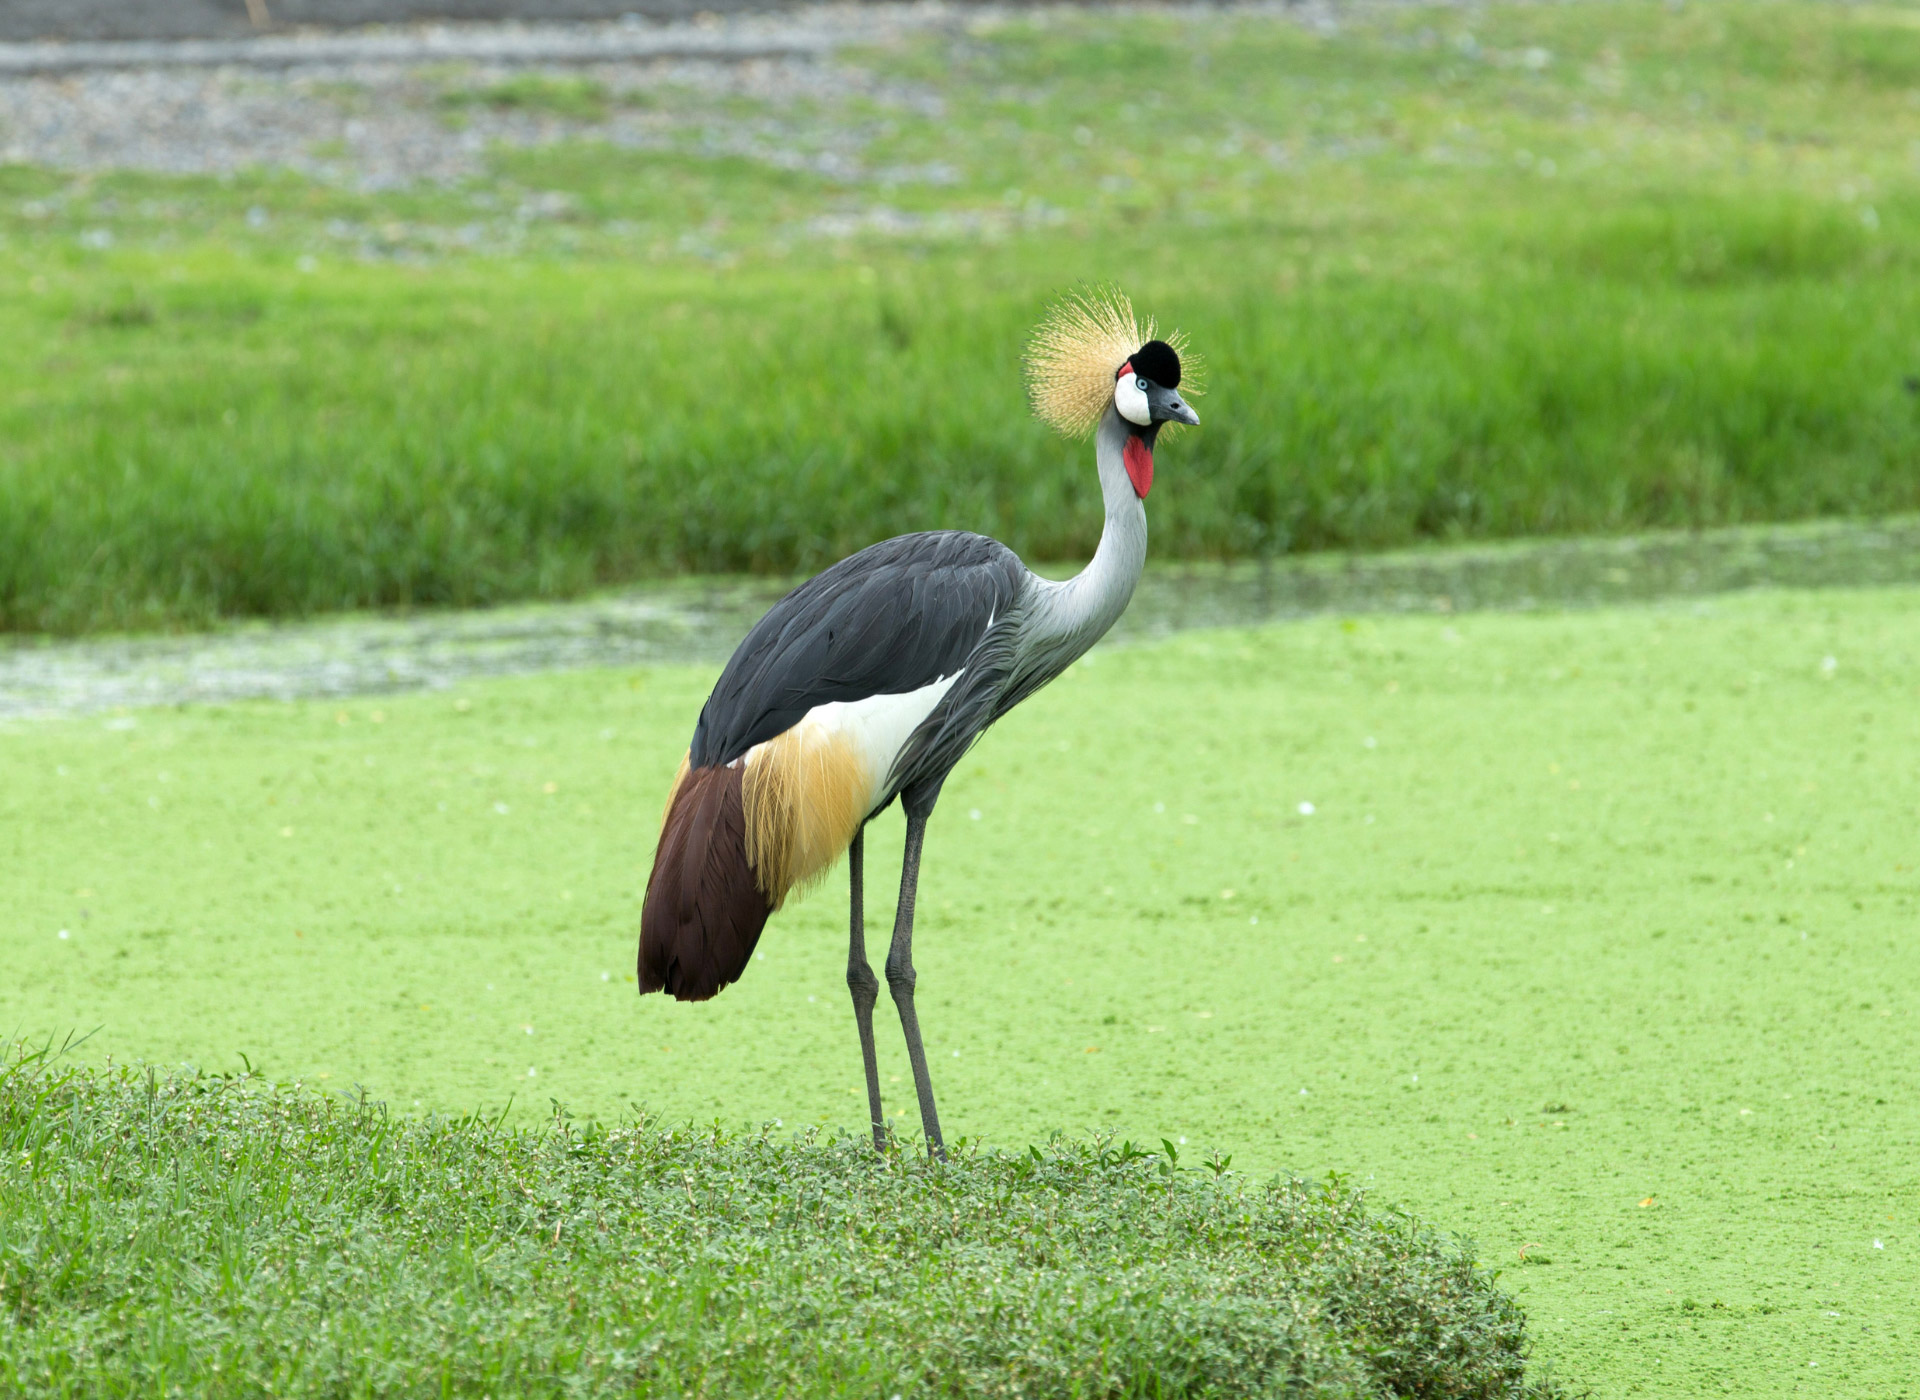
(364,110)
(214,19)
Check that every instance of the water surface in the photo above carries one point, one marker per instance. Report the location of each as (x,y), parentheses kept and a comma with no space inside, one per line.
(701,620)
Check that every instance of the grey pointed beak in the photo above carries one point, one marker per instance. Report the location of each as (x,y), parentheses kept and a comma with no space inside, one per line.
(1166,406)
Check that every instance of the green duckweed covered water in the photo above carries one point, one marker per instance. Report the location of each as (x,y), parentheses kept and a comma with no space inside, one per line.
(1596,943)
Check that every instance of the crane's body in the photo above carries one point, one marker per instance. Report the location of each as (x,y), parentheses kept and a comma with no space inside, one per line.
(867,684)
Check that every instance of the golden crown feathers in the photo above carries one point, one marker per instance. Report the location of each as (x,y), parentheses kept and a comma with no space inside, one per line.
(1077,350)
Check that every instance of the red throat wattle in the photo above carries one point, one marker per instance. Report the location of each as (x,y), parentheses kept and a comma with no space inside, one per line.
(1139,459)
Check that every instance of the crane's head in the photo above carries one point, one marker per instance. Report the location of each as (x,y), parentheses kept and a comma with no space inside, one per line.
(1090,357)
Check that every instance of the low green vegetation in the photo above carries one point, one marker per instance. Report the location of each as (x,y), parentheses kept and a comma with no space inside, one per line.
(221,1236)
(1595,948)
(1512,270)
(581,99)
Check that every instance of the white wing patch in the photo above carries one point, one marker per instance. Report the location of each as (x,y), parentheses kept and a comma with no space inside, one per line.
(876,728)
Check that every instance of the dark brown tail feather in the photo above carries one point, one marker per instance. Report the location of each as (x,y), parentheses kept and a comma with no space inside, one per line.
(704,910)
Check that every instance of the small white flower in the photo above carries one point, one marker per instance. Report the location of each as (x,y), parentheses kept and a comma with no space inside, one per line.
(1878,1245)
(1306,809)
(1303,1093)
(1370,742)
(531,1071)
(606,977)
(1829,664)
(63,933)
(975,814)
(501,808)
(1183,1142)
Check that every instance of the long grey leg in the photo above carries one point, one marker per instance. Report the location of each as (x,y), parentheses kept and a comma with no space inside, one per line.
(863,984)
(900,978)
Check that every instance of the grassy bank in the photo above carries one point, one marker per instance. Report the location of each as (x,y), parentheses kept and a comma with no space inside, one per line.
(1537,269)
(225,1237)
(1596,946)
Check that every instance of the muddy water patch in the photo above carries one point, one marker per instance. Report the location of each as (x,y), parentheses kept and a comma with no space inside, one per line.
(701,621)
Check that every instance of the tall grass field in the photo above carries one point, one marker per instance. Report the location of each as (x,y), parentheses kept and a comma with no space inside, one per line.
(1455,273)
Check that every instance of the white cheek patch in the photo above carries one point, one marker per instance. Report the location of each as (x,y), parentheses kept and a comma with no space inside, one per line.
(1131,400)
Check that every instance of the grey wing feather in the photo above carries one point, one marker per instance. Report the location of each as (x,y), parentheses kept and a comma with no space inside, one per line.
(898,615)
(975,702)
(1013,660)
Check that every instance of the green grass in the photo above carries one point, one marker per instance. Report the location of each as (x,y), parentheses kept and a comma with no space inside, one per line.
(219,1236)
(581,99)
(1596,948)
(1535,269)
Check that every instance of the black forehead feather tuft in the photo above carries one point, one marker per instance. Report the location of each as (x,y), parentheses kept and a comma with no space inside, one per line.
(1157,361)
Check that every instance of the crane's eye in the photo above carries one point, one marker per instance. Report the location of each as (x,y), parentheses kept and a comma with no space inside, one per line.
(1140,383)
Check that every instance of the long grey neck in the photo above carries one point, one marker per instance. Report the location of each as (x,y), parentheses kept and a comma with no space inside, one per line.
(1069,617)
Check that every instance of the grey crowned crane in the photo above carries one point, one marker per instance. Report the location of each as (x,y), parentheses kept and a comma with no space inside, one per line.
(869,681)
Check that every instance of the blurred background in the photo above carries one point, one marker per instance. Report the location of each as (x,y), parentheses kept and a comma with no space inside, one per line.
(298,314)
(209,19)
